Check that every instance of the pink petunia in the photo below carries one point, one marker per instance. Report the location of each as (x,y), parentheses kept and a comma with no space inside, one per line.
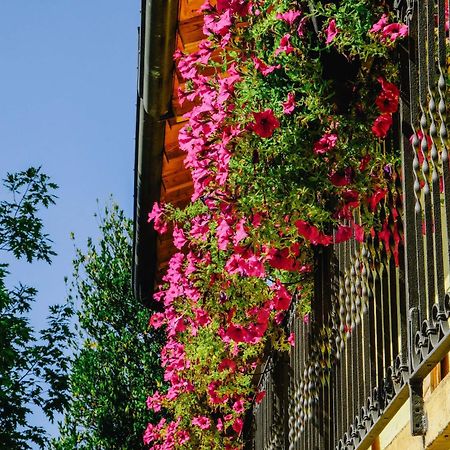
(263,67)
(326,143)
(285,45)
(238,406)
(178,238)
(387,101)
(343,233)
(238,425)
(331,31)
(382,125)
(265,123)
(259,396)
(312,234)
(377,27)
(157,320)
(202,422)
(289,104)
(157,214)
(227,364)
(291,339)
(394,31)
(289,16)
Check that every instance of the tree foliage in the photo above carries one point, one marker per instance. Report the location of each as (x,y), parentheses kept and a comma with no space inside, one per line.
(33,365)
(117,364)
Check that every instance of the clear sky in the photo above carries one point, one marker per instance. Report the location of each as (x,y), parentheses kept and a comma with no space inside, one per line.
(67,102)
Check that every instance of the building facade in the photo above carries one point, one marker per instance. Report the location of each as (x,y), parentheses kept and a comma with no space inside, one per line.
(372,367)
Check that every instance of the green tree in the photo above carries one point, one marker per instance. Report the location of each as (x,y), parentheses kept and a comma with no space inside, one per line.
(118,362)
(33,365)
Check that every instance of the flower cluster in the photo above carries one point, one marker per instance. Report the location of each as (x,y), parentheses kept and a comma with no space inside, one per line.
(283,141)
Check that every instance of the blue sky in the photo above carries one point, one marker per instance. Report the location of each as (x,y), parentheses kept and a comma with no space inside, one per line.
(67,99)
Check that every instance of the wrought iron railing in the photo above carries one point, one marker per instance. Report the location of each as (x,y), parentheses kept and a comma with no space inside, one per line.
(380,319)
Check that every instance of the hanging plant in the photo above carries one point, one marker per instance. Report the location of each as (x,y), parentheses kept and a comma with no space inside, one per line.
(291,103)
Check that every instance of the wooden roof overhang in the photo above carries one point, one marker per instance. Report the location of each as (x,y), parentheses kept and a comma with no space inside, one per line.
(160,174)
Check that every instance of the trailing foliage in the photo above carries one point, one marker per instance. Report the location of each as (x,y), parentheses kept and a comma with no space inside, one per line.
(288,145)
(33,366)
(118,361)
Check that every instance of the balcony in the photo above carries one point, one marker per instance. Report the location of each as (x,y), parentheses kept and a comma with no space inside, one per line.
(378,335)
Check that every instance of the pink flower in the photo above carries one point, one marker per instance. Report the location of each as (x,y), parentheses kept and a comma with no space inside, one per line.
(342,177)
(376,198)
(382,125)
(223,233)
(326,143)
(394,31)
(289,104)
(331,31)
(265,123)
(359,232)
(259,396)
(154,401)
(291,339)
(312,234)
(237,333)
(178,238)
(343,233)
(238,406)
(377,27)
(240,234)
(182,437)
(264,68)
(289,16)
(238,425)
(387,101)
(285,45)
(389,32)
(156,215)
(282,297)
(302,27)
(217,24)
(240,7)
(157,320)
(202,422)
(227,364)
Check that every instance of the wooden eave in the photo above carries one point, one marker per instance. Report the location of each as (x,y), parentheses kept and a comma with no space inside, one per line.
(160,174)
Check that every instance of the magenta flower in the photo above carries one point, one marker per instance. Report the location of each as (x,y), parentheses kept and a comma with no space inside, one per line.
(326,143)
(238,406)
(202,422)
(343,233)
(377,27)
(157,320)
(238,425)
(331,31)
(389,32)
(259,397)
(265,123)
(394,31)
(387,103)
(289,104)
(154,401)
(382,125)
(291,339)
(264,68)
(227,364)
(289,16)
(285,45)
(156,215)
(178,238)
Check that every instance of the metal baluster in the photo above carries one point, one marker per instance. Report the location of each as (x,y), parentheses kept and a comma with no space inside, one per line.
(443,134)
(435,177)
